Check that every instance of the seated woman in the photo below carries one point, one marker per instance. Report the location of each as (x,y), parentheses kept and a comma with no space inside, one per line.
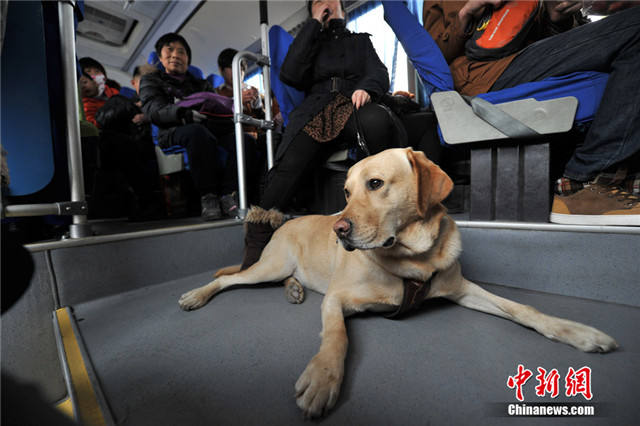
(341,74)
(201,135)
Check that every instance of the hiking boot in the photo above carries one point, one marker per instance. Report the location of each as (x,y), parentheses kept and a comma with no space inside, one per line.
(229,204)
(260,224)
(597,204)
(210,207)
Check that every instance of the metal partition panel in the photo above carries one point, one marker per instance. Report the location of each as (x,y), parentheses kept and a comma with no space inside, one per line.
(511,182)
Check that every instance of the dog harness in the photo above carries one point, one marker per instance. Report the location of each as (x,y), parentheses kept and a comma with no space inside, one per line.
(413,296)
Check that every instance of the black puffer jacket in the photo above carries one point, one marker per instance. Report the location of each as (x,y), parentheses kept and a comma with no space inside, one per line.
(159,92)
(315,56)
(117,113)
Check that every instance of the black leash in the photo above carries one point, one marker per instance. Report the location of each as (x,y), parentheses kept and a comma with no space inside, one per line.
(362,143)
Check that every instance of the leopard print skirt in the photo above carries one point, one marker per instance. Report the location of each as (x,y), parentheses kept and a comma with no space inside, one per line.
(328,123)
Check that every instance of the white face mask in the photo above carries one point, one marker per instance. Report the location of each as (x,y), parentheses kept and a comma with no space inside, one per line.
(100,80)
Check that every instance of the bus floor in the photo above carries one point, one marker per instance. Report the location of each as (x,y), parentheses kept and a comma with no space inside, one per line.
(235,360)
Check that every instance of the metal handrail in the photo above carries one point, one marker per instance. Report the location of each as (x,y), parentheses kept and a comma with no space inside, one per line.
(79,227)
(239,118)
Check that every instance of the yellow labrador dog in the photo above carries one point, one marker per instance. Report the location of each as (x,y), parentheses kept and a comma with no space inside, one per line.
(393,232)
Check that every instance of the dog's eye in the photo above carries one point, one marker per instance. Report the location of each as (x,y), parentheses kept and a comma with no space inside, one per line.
(346,193)
(374,184)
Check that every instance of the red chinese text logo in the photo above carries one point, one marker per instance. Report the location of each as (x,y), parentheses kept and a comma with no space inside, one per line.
(576,382)
(519,380)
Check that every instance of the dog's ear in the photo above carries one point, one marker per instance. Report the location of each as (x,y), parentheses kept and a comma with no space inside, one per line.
(433,185)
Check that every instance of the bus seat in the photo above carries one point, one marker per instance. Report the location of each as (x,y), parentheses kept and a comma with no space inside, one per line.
(549,106)
(169,162)
(215,80)
(30,148)
(288,97)
(419,46)
(128,92)
(171,159)
(495,194)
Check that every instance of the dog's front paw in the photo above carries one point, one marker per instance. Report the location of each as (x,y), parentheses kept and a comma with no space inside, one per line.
(592,340)
(318,387)
(583,337)
(195,298)
(293,291)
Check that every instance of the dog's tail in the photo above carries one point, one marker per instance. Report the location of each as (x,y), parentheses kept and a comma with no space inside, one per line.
(227,270)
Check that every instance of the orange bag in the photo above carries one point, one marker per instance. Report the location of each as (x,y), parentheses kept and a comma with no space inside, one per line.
(502,31)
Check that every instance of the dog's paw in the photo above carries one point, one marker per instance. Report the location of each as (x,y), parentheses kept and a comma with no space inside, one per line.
(592,340)
(318,388)
(293,291)
(194,299)
(583,337)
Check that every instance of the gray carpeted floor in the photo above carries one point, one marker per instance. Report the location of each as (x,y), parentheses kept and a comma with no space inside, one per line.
(235,361)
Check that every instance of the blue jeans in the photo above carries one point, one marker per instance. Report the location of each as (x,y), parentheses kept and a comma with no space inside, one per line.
(610,45)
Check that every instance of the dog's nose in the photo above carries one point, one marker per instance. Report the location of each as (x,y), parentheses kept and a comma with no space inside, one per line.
(342,228)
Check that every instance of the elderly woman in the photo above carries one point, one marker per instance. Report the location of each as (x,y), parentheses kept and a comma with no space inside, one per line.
(342,77)
(160,93)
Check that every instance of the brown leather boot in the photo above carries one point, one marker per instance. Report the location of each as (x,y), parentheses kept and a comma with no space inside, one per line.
(260,224)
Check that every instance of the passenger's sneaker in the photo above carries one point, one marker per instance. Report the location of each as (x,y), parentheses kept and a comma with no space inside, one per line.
(597,204)
(210,207)
(229,204)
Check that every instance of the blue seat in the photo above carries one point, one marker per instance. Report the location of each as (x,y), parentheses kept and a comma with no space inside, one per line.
(128,92)
(495,194)
(288,97)
(215,80)
(430,64)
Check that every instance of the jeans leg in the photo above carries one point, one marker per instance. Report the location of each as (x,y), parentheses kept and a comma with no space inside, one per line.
(611,45)
(201,149)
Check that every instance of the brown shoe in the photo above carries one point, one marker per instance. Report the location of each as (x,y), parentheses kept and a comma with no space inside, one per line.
(260,224)
(597,204)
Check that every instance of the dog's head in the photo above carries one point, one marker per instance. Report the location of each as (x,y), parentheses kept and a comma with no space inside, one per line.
(385,193)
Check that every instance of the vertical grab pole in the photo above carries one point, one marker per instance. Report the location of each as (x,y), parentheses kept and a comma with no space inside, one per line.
(237,118)
(266,78)
(79,227)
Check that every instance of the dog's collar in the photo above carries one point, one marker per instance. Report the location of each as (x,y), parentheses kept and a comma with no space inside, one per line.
(413,295)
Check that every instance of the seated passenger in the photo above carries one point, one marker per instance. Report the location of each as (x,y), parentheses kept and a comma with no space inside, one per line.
(251,100)
(161,93)
(341,74)
(138,72)
(590,190)
(94,87)
(128,158)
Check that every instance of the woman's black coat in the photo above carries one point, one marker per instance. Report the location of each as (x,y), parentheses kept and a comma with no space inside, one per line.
(158,92)
(315,56)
